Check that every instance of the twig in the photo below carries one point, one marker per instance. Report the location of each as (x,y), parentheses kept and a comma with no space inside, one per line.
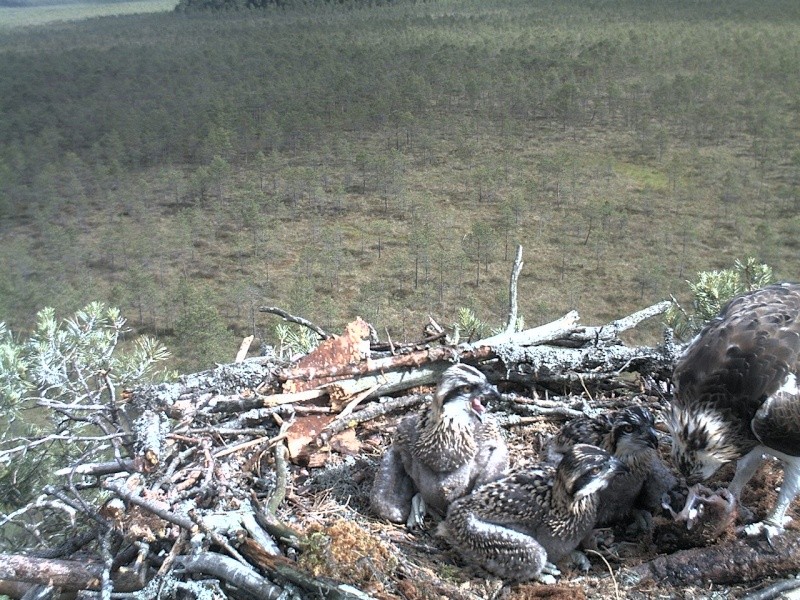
(291,397)
(79,505)
(774,591)
(216,537)
(341,420)
(272,525)
(29,444)
(611,330)
(175,519)
(223,431)
(549,332)
(106,585)
(389,341)
(283,568)
(242,446)
(261,537)
(583,383)
(374,410)
(293,319)
(610,571)
(412,359)
(174,552)
(103,468)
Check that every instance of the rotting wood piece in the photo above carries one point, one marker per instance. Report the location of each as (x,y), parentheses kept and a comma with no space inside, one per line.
(743,560)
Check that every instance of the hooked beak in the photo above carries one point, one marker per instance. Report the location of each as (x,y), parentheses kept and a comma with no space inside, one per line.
(487,394)
(477,408)
(652,438)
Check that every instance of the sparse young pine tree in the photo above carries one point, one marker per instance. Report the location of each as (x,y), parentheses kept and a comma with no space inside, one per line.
(712,290)
(200,330)
(61,399)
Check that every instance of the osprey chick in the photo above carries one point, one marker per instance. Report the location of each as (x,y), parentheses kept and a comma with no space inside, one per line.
(518,527)
(736,395)
(442,453)
(629,435)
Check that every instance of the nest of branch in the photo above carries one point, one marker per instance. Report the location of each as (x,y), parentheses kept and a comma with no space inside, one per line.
(255,477)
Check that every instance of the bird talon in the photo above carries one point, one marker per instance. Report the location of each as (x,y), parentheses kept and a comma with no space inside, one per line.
(417,515)
(767,528)
(546,579)
(581,561)
(551,569)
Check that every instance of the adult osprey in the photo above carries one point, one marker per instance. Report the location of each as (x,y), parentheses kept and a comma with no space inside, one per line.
(737,397)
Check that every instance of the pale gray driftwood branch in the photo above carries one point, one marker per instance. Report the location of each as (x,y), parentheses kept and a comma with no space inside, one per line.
(232,571)
(295,319)
(512,291)
(611,331)
(551,364)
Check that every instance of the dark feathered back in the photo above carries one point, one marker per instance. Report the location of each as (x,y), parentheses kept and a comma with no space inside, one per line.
(743,356)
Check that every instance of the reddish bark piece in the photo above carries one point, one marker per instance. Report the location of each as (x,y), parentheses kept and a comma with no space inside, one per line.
(347,349)
(346,442)
(301,437)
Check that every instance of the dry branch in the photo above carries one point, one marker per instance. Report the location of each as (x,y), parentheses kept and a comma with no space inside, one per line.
(180,520)
(64,574)
(282,568)
(612,330)
(740,561)
(512,291)
(551,364)
(244,348)
(233,572)
(294,319)
(98,469)
(532,355)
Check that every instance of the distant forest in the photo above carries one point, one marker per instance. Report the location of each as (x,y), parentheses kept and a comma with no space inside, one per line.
(385,159)
(215,5)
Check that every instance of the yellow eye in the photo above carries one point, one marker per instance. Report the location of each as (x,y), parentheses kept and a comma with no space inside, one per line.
(467,389)
(627,428)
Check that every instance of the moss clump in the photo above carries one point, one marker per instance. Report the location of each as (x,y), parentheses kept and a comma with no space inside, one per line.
(348,552)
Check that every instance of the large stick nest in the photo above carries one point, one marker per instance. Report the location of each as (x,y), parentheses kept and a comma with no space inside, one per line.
(253,481)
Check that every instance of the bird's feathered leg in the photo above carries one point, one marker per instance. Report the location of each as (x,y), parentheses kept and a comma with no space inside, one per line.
(745,469)
(774,524)
(393,489)
(418,511)
(790,487)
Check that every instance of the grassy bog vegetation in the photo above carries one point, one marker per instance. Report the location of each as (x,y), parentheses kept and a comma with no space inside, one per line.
(384,161)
